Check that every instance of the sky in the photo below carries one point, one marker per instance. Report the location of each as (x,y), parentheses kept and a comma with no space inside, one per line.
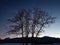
(9,8)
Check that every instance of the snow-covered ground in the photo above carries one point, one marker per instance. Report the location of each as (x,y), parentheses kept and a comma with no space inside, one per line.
(29,44)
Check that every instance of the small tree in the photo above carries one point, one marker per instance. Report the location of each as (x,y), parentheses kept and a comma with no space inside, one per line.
(30,22)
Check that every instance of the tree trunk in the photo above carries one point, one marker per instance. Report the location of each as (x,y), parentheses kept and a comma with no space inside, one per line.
(32,39)
(27,39)
(22,40)
(22,35)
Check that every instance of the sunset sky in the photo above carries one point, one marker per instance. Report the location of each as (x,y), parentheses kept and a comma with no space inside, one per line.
(9,8)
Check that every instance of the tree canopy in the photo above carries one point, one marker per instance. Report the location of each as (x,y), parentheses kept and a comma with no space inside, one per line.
(30,21)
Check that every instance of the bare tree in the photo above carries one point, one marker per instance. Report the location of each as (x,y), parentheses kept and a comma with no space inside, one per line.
(30,22)
(18,20)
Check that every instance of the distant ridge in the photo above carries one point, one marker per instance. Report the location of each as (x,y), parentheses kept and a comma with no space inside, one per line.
(45,40)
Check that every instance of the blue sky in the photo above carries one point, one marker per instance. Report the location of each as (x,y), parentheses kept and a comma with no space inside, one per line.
(9,8)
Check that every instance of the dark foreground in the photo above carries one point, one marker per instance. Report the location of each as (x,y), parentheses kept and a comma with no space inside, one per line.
(43,40)
(28,44)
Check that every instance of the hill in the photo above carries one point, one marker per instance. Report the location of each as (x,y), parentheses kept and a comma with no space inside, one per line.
(43,40)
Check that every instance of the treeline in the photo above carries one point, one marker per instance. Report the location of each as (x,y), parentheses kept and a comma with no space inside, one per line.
(43,40)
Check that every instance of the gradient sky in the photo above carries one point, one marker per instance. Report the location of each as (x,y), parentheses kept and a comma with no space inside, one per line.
(8,8)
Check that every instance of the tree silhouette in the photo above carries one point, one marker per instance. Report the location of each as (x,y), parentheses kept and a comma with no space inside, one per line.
(30,21)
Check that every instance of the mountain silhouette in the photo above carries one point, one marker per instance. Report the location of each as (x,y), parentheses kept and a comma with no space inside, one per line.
(42,40)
